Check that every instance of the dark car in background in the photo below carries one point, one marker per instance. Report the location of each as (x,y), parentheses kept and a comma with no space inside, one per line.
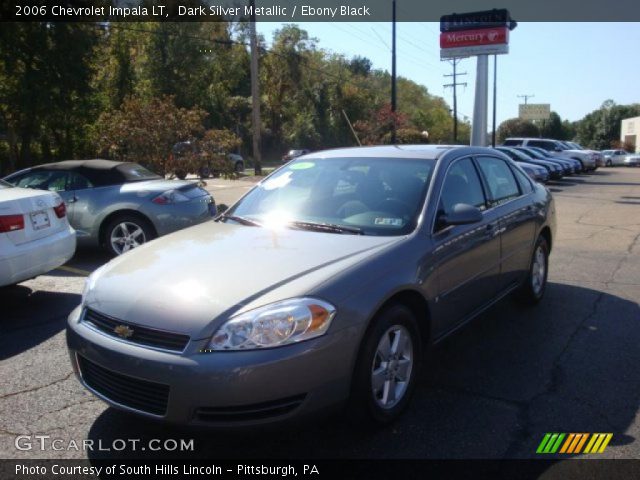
(341,268)
(235,161)
(119,205)
(535,172)
(567,167)
(291,154)
(577,166)
(554,170)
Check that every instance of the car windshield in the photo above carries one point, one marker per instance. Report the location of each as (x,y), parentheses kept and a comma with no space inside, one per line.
(370,196)
(4,184)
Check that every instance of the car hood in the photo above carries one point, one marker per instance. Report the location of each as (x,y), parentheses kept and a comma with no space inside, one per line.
(191,281)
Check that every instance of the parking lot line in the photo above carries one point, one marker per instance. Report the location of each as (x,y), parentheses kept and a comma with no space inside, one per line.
(77,271)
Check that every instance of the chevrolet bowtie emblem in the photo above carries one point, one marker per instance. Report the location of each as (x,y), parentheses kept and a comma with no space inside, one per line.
(123,331)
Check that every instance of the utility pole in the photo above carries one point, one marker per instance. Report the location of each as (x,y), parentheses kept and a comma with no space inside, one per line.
(255,92)
(526,97)
(393,72)
(453,85)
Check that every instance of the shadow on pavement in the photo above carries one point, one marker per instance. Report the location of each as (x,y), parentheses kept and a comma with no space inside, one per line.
(491,391)
(31,317)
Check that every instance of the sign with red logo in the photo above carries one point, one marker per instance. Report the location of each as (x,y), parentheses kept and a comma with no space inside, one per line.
(469,38)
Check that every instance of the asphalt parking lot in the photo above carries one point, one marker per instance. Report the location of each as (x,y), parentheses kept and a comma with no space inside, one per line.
(491,391)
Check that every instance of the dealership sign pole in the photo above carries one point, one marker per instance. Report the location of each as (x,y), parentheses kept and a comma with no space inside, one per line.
(477,34)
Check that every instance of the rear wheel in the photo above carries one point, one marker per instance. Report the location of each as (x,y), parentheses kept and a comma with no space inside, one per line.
(387,367)
(239,167)
(126,232)
(532,290)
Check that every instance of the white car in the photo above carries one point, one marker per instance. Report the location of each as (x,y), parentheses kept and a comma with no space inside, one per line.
(621,158)
(35,235)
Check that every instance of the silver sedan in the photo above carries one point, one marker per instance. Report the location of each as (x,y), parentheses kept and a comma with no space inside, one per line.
(119,205)
(320,287)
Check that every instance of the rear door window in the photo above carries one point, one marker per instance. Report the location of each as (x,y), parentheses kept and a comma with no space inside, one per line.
(501,183)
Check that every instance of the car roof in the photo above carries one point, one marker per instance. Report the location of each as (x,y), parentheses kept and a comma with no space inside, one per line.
(95,164)
(420,151)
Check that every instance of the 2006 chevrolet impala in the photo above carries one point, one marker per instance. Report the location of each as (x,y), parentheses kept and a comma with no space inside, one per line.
(321,287)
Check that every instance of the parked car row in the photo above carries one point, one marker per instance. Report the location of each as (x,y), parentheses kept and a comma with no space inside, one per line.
(540,164)
(615,158)
(119,206)
(589,160)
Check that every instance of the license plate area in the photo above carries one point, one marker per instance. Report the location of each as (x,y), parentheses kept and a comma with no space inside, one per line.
(40,220)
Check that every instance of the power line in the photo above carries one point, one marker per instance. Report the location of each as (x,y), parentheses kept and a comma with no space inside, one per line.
(526,97)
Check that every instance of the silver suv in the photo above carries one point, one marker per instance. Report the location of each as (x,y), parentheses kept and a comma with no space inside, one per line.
(585,157)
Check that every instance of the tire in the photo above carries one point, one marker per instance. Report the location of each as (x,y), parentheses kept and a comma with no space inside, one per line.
(139,230)
(181,174)
(239,167)
(204,172)
(534,286)
(367,401)
(609,164)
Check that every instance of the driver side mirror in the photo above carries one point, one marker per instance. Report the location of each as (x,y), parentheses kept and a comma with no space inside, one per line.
(222,208)
(462,214)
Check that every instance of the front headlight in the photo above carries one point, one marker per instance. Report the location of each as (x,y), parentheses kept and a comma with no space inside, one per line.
(274,325)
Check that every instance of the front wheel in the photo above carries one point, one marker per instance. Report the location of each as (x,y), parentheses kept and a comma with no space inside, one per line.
(533,288)
(125,233)
(387,367)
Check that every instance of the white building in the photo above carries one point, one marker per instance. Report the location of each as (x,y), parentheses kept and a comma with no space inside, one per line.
(630,133)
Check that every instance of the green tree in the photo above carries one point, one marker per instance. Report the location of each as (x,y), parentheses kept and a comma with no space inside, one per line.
(516,127)
(600,129)
(145,131)
(554,128)
(46,98)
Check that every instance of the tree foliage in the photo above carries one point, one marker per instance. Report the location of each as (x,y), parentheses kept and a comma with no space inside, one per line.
(600,129)
(516,127)
(145,131)
(130,90)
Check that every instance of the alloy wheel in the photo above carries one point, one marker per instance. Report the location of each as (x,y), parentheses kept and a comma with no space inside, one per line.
(126,236)
(538,270)
(392,366)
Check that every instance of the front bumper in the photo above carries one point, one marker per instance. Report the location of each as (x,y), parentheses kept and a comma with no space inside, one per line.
(222,389)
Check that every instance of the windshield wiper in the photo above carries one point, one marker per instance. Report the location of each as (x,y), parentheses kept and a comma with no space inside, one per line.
(240,220)
(325,227)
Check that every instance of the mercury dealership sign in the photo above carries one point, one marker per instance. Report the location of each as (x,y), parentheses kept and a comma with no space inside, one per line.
(476,33)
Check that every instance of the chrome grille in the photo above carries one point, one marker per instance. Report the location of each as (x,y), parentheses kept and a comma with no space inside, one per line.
(141,335)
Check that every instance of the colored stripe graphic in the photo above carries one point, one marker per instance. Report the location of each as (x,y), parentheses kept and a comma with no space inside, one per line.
(572,443)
